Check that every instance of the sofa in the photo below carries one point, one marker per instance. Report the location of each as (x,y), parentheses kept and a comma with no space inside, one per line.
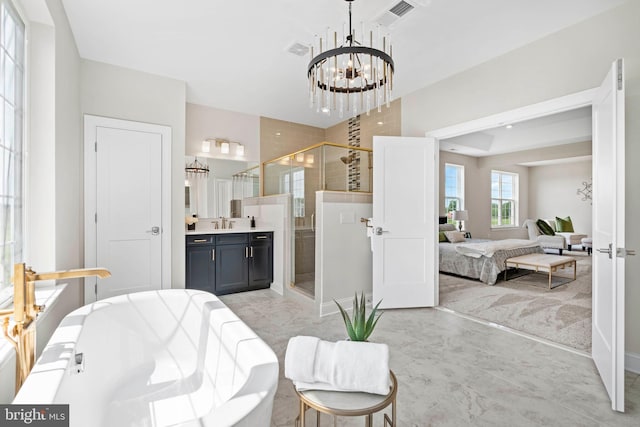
(556,242)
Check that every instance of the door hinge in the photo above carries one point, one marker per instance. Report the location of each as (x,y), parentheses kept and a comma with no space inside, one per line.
(622,252)
(619,68)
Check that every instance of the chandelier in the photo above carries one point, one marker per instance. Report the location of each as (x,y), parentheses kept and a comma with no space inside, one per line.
(352,76)
(196,169)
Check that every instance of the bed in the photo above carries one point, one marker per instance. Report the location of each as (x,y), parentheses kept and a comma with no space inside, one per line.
(482,259)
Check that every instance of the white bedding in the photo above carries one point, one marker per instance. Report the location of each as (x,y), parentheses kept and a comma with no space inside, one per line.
(477,250)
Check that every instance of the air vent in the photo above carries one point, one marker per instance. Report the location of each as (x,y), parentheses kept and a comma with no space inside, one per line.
(298,49)
(401,8)
(389,17)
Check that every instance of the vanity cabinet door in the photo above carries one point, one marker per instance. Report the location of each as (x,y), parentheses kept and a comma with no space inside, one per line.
(261,260)
(232,268)
(201,268)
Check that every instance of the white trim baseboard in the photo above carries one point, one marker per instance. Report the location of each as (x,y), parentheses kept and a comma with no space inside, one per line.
(632,362)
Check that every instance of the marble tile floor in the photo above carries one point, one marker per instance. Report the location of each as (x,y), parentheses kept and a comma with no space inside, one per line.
(451,371)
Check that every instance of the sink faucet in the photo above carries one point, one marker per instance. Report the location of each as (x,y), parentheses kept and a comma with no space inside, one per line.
(23,334)
(224,222)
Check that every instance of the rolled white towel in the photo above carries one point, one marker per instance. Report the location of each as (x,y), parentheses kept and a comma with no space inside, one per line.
(300,357)
(361,366)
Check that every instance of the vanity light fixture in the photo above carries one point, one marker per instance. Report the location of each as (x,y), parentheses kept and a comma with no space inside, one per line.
(354,76)
(206,145)
(224,147)
(240,150)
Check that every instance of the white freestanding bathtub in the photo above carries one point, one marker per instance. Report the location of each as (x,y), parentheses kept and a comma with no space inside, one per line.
(163,358)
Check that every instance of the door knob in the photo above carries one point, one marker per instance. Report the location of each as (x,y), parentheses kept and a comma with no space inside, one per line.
(378,231)
(606,250)
(154,230)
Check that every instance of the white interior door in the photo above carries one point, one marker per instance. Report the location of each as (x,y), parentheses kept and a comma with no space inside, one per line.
(609,233)
(405,182)
(126,217)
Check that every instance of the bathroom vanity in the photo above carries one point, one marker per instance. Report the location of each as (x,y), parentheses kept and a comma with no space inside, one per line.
(226,261)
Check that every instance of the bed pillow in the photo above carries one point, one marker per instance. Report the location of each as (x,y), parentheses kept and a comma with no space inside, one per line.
(441,237)
(446,227)
(564,225)
(454,236)
(545,227)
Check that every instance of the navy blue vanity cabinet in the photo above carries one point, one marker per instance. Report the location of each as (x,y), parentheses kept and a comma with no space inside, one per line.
(261,260)
(200,263)
(225,263)
(232,263)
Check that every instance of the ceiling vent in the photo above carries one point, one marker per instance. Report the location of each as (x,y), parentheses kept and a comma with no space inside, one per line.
(298,49)
(401,8)
(396,12)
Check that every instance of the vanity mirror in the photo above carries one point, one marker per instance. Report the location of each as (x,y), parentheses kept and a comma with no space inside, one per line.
(210,195)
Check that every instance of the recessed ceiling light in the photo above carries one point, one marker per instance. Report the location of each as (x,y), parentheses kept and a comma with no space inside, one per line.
(380,123)
(277,133)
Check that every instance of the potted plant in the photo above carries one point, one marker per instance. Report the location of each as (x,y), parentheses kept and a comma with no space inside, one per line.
(360,327)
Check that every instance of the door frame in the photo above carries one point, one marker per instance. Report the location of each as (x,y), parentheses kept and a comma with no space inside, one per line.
(533,111)
(91,123)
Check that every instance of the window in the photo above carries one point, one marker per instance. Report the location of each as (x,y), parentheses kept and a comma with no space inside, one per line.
(297,189)
(11,143)
(504,199)
(453,189)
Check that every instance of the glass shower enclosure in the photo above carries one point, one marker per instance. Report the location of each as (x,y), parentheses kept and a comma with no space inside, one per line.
(321,167)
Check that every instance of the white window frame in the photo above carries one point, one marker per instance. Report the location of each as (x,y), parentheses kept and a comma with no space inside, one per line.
(293,182)
(515,200)
(13,152)
(459,196)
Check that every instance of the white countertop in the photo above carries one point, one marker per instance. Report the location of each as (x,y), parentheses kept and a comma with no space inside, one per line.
(229,231)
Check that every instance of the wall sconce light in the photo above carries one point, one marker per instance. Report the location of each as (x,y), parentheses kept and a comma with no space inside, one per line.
(224,145)
(310,158)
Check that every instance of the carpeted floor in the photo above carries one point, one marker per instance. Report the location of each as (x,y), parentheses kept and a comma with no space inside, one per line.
(562,314)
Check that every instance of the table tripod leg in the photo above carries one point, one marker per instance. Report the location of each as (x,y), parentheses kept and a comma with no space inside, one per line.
(302,413)
(369,421)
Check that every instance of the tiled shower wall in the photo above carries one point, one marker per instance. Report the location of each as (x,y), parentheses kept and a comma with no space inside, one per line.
(279,138)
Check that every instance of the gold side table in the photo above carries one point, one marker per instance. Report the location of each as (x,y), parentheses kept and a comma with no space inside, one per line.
(348,404)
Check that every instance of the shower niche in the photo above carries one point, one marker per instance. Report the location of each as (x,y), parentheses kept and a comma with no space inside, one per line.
(321,167)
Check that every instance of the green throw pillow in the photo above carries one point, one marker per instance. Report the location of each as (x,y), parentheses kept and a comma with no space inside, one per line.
(442,237)
(564,225)
(545,227)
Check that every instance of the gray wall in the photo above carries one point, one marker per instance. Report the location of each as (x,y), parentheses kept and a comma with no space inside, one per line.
(562,63)
(121,93)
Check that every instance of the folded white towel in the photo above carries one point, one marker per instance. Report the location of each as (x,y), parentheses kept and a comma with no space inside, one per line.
(361,366)
(300,357)
(343,366)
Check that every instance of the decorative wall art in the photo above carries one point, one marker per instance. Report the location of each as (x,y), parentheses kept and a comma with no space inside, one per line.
(585,191)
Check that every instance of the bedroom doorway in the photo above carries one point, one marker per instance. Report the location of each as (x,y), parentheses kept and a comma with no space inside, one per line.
(548,159)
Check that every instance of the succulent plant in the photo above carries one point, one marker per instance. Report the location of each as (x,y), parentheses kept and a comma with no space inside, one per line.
(361,327)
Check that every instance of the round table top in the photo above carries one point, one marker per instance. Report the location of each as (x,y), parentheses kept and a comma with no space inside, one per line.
(346,402)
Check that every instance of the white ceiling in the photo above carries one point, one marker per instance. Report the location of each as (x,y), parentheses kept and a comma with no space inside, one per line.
(233,54)
(556,129)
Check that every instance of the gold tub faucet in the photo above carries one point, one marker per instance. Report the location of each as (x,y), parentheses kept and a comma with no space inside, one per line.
(23,334)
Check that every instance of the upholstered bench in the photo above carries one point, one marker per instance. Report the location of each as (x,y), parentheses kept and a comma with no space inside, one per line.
(587,243)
